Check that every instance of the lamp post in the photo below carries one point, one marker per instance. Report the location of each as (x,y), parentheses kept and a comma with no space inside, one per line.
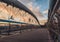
(9,29)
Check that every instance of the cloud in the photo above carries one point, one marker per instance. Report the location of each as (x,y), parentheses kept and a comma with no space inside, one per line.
(25,1)
(35,10)
(31,5)
(45,12)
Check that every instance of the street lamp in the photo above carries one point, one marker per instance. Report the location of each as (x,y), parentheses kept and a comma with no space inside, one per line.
(9,18)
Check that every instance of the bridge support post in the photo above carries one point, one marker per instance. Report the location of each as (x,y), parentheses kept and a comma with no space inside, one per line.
(59,38)
(9,29)
(20,31)
(20,28)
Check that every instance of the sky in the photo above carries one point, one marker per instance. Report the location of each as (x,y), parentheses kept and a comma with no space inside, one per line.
(38,7)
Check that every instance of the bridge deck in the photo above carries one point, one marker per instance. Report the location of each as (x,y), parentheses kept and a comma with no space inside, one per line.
(39,35)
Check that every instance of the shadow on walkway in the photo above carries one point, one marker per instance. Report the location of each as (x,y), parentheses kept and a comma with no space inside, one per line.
(38,35)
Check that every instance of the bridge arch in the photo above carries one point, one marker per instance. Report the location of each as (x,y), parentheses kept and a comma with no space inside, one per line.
(20,6)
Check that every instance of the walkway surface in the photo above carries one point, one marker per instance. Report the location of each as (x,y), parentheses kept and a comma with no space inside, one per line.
(38,35)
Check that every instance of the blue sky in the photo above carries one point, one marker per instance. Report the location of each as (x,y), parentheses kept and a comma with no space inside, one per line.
(42,3)
(39,7)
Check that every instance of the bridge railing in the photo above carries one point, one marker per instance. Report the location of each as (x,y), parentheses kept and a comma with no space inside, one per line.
(7,26)
(55,35)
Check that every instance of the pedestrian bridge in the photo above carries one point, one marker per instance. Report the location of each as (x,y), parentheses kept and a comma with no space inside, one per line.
(19,24)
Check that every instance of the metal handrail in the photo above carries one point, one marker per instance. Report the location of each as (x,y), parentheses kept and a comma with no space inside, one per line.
(55,35)
(10,21)
(18,29)
(55,32)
